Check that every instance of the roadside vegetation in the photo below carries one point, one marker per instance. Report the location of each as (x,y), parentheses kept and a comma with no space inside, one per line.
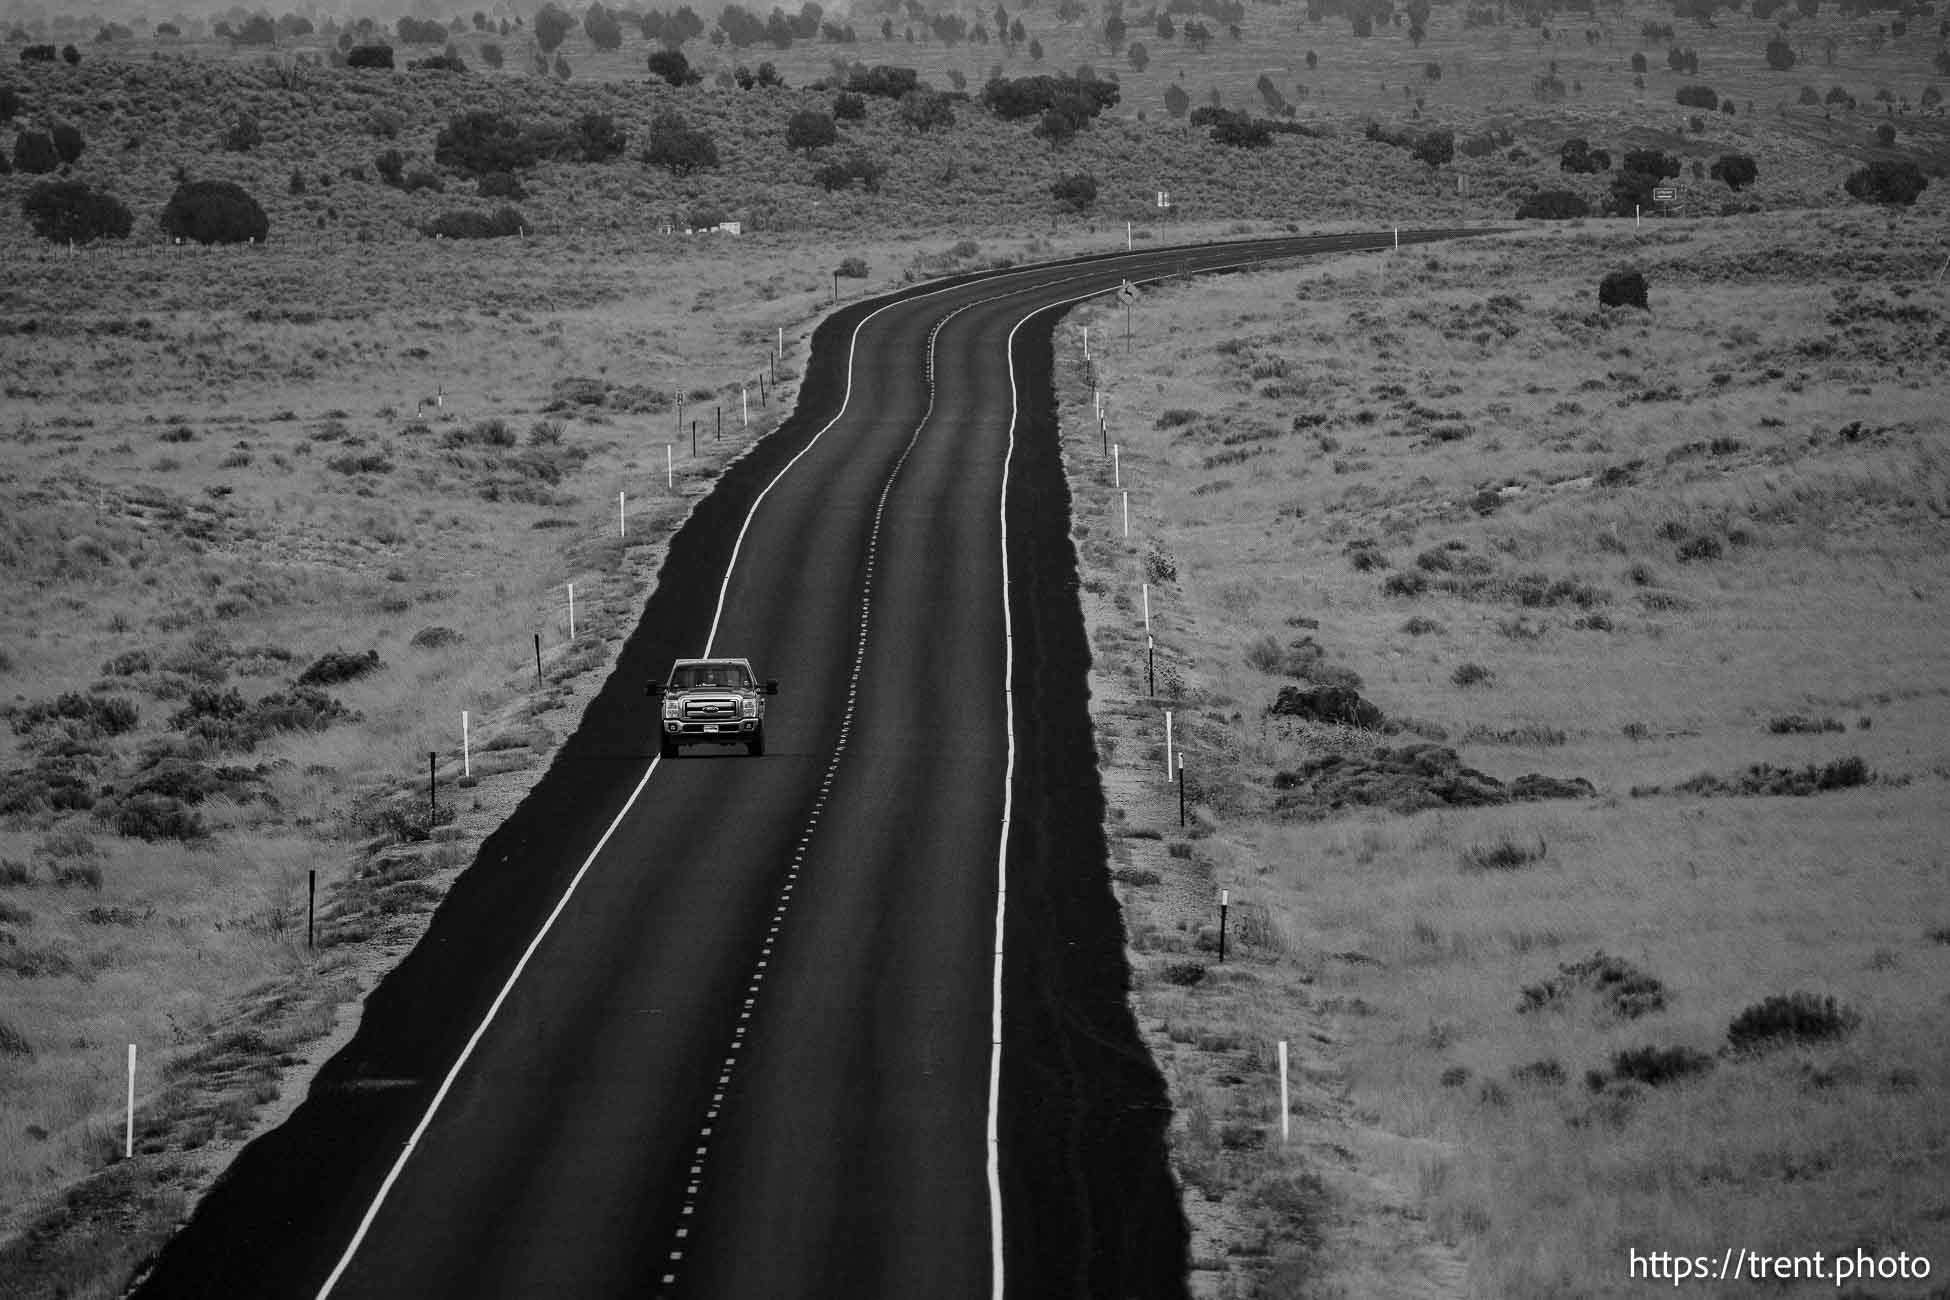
(1559,692)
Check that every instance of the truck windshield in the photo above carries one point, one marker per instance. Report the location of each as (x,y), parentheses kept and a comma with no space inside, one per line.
(693,675)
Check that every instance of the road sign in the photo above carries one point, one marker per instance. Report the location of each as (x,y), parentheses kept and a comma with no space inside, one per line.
(1164,198)
(1665,194)
(1127,293)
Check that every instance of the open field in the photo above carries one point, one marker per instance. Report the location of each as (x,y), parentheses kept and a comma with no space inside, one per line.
(1672,545)
(217,468)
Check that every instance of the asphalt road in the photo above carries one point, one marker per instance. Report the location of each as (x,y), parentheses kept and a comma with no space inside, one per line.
(751,1053)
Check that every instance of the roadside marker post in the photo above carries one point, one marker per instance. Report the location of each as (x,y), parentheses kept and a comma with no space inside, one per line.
(1127,236)
(1104,429)
(466,747)
(433,801)
(572,611)
(1086,343)
(1398,238)
(781,352)
(744,406)
(1145,588)
(1171,767)
(693,437)
(670,472)
(1127,514)
(1181,788)
(1286,1131)
(538,659)
(1150,664)
(1225,906)
(622,527)
(680,411)
(1117,464)
(311,909)
(719,435)
(128,1140)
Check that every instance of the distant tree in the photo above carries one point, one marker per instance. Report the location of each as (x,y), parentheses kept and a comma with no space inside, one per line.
(858,166)
(1638,61)
(1076,192)
(1139,56)
(391,166)
(71,55)
(481,141)
(1780,54)
(67,142)
(1737,170)
(244,134)
(500,185)
(1312,60)
(369,56)
(604,32)
(503,223)
(1436,148)
(1697,96)
(1885,135)
(551,26)
(1035,50)
(597,138)
(1238,131)
(562,70)
(849,107)
(1176,100)
(1165,28)
(35,154)
(214,212)
(37,54)
(1577,156)
(1198,35)
(1114,31)
(491,54)
(678,147)
(810,129)
(257,29)
(1017,32)
(674,68)
(924,110)
(63,211)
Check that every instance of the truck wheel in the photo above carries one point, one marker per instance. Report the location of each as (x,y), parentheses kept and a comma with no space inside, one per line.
(667,747)
(756,746)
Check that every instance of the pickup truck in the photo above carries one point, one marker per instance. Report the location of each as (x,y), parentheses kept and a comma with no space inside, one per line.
(711,702)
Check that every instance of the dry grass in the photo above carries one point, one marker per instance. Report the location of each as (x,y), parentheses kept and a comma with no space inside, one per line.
(1409,941)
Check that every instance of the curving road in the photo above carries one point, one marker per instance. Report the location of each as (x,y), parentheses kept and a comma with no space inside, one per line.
(724,1027)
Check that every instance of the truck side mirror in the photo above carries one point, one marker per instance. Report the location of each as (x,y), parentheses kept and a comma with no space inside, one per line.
(771,686)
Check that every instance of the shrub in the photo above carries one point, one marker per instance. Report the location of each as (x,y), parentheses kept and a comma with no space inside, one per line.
(67,142)
(597,138)
(1622,989)
(678,147)
(9,103)
(1697,97)
(1076,192)
(1780,54)
(155,817)
(1577,155)
(923,110)
(1694,550)
(391,166)
(335,666)
(1503,854)
(1737,170)
(37,54)
(1238,131)
(849,107)
(841,174)
(1553,205)
(214,212)
(1656,1066)
(1407,583)
(810,129)
(244,134)
(70,55)
(1885,135)
(35,154)
(674,68)
(464,223)
(72,210)
(1623,289)
(91,715)
(369,56)
(881,81)
(1795,724)
(1436,148)
(1638,62)
(493,55)
(478,142)
(1783,1020)
(1471,674)
(1422,626)
(500,185)
(1023,97)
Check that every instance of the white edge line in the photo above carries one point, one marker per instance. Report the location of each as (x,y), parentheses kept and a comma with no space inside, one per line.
(995,1059)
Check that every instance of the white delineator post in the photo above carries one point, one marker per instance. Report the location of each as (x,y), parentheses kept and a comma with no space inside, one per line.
(781,342)
(1127,236)
(1398,236)
(1171,769)
(1086,343)
(1286,1121)
(622,526)
(1117,464)
(670,470)
(128,1139)
(1145,588)
(466,747)
(744,406)
(1127,514)
(572,611)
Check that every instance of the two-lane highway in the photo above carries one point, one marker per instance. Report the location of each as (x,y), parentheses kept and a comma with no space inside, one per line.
(727,1027)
